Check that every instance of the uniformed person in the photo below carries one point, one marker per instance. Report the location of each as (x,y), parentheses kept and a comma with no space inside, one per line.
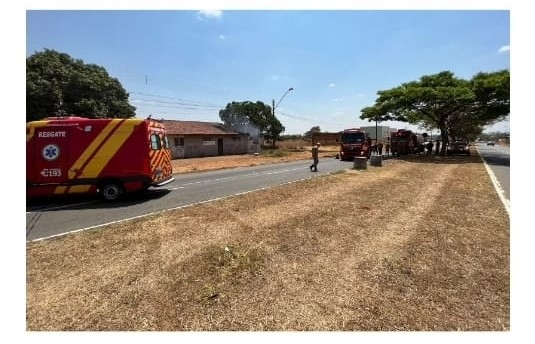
(315,157)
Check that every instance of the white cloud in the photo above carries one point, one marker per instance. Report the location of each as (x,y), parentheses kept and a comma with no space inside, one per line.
(209,14)
(338,99)
(222,37)
(503,49)
(332,85)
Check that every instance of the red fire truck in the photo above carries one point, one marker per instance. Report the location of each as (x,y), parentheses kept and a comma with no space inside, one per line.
(111,157)
(354,143)
(404,141)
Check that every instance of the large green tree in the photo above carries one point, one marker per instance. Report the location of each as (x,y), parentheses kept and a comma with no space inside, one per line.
(458,108)
(252,118)
(58,85)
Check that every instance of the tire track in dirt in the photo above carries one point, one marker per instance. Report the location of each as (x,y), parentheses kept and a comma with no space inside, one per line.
(398,229)
(265,215)
(307,269)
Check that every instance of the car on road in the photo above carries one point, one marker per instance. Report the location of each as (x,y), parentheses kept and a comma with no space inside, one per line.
(490,143)
(458,147)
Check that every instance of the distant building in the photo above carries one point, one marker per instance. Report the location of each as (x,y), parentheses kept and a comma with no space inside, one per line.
(325,139)
(192,139)
(383,132)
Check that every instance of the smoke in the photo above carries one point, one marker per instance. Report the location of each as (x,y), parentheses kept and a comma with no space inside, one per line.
(247,128)
(254,135)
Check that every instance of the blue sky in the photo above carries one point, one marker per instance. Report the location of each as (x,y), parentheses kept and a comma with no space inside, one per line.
(188,64)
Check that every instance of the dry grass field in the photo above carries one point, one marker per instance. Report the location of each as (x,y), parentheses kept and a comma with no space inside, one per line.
(419,244)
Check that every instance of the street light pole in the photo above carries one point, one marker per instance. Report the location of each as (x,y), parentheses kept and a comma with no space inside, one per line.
(273,110)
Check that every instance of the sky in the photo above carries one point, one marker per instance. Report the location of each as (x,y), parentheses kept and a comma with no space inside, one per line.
(181,63)
(188,64)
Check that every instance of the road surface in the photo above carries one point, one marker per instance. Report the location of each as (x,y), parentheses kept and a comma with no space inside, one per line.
(48,220)
(498,161)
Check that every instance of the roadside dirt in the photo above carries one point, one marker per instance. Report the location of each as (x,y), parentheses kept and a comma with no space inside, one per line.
(419,244)
(221,162)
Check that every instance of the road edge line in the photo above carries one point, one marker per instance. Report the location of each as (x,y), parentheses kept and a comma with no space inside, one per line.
(497,186)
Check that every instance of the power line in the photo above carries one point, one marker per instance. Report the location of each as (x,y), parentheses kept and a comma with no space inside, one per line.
(183,104)
(177,104)
(181,101)
(303,118)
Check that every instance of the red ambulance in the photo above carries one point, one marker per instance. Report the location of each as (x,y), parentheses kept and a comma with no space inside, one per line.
(111,157)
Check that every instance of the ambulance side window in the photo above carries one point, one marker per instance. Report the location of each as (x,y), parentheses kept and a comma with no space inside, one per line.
(155,142)
(167,144)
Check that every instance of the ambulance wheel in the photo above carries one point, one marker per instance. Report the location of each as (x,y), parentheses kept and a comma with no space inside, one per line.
(111,191)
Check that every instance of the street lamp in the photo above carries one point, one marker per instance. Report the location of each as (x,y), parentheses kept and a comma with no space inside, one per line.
(273,109)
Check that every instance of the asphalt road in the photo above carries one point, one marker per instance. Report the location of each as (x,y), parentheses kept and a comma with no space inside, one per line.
(44,219)
(52,217)
(498,160)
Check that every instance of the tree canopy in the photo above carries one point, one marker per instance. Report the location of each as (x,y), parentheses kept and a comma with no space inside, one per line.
(248,117)
(458,108)
(58,85)
(314,129)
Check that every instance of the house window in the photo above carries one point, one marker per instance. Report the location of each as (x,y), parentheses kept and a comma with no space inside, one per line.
(179,141)
(207,141)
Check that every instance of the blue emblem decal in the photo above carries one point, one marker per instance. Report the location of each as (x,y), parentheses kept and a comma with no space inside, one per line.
(50,152)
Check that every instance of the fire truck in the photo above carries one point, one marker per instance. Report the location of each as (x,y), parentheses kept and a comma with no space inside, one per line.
(404,141)
(109,157)
(354,142)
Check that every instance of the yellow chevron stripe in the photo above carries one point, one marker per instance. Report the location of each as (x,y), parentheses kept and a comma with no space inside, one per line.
(32,126)
(110,148)
(79,188)
(71,189)
(60,190)
(92,147)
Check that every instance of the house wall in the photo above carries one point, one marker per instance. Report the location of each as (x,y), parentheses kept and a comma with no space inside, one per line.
(198,146)
(326,139)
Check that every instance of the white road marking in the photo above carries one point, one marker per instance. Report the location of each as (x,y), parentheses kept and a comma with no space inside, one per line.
(170,209)
(497,186)
(206,181)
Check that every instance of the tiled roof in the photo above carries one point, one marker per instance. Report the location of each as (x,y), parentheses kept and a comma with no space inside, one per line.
(174,127)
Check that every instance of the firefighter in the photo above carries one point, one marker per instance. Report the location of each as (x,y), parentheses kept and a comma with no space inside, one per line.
(315,157)
(387,146)
(380,148)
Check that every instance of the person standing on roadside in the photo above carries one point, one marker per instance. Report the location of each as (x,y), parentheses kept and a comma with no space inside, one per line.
(315,157)
(380,148)
(437,147)
(387,146)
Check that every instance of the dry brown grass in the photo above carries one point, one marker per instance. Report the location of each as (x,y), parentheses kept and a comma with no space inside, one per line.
(268,157)
(419,244)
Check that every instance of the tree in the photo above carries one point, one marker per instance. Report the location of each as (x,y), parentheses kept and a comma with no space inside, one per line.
(58,85)
(314,129)
(453,105)
(249,117)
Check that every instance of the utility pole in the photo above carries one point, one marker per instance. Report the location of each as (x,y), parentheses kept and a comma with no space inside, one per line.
(273,110)
(376,137)
(273,126)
